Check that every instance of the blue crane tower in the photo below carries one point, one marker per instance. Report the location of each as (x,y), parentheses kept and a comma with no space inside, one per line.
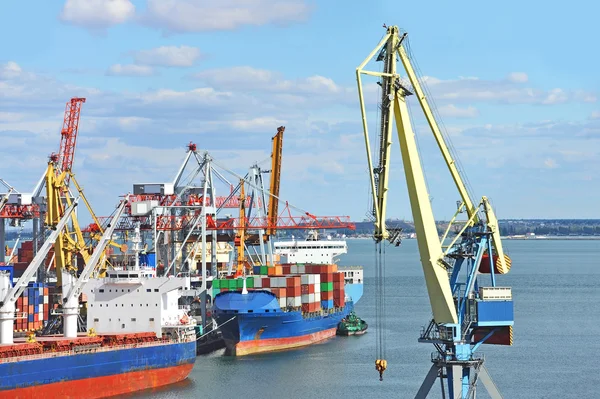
(469,308)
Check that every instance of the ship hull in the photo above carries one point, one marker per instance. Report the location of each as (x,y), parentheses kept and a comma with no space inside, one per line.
(254,323)
(98,374)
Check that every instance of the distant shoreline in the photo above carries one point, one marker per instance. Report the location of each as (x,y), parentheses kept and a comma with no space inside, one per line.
(540,238)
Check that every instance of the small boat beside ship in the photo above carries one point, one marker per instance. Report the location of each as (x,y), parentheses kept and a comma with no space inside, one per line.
(352,325)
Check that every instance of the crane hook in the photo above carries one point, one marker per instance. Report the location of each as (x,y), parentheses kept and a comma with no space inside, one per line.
(380,365)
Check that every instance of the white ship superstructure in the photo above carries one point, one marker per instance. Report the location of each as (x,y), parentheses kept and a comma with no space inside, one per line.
(312,250)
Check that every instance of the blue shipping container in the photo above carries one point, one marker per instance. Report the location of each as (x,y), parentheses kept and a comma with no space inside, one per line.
(495,313)
(327,304)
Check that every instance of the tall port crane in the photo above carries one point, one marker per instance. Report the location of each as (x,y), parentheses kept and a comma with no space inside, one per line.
(274,184)
(468,308)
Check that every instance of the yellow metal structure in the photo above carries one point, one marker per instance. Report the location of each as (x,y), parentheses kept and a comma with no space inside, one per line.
(71,241)
(240,239)
(394,105)
(275,180)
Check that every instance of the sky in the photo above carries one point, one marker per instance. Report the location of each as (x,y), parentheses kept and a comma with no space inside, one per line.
(515,84)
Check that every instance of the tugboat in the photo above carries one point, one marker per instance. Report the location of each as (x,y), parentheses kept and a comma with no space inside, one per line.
(352,325)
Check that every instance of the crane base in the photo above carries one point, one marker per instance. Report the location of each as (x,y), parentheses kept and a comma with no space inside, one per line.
(473,369)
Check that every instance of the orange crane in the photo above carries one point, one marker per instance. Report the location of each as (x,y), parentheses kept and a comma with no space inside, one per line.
(275,180)
(240,236)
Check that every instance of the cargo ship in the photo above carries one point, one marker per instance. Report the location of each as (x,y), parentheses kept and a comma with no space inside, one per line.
(289,305)
(138,338)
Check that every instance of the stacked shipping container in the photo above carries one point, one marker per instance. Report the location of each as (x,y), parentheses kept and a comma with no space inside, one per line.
(311,288)
(32,308)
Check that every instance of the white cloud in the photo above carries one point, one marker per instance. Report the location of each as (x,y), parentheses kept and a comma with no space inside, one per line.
(97,14)
(182,56)
(129,70)
(453,111)
(249,78)
(10,70)
(201,15)
(518,77)
(11,116)
(556,96)
(509,91)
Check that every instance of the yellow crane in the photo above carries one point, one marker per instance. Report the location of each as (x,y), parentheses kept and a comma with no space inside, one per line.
(461,304)
(71,240)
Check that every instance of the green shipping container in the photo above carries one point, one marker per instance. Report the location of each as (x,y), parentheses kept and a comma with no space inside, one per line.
(250,282)
(216,283)
(232,284)
(264,270)
(240,283)
(326,286)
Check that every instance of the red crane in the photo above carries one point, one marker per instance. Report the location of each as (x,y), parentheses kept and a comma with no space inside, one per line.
(69,134)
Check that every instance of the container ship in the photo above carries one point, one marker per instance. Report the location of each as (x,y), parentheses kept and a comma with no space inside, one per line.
(138,337)
(289,305)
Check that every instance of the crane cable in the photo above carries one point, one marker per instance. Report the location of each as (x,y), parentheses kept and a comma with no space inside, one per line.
(380,314)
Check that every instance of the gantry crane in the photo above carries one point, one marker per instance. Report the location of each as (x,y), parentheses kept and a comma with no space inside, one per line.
(469,309)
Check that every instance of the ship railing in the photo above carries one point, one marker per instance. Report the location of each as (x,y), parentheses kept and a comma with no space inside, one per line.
(70,352)
(350,268)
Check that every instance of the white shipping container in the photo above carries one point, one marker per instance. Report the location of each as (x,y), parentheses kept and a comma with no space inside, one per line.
(301,269)
(318,297)
(305,298)
(317,279)
(257,282)
(294,269)
(317,287)
(495,293)
(311,278)
(274,282)
(282,282)
(304,279)
(294,301)
(282,302)
(311,298)
(45,298)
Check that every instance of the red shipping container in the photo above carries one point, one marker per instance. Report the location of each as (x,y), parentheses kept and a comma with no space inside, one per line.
(326,277)
(311,288)
(296,291)
(290,291)
(46,291)
(308,269)
(304,289)
(339,302)
(337,285)
(326,295)
(282,293)
(36,317)
(339,276)
(293,281)
(266,282)
(306,307)
(286,270)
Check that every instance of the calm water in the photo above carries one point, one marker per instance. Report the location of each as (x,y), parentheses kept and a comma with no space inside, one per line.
(556,342)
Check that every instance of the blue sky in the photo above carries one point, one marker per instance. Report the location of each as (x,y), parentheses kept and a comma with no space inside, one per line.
(516,85)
